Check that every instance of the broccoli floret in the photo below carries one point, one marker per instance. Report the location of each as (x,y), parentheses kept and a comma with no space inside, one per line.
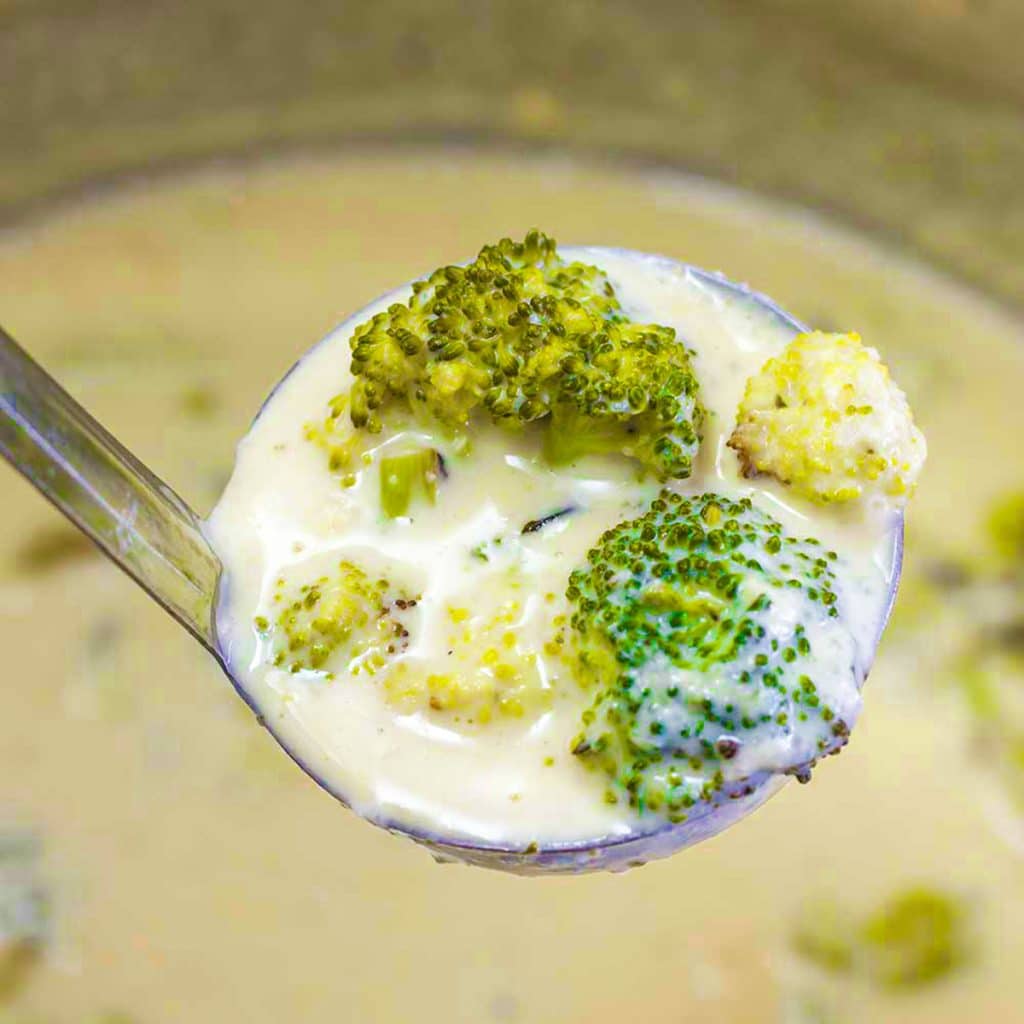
(827,937)
(916,937)
(523,336)
(347,613)
(703,625)
(990,677)
(490,674)
(1006,529)
(978,612)
(24,912)
(825,418)
(406,477)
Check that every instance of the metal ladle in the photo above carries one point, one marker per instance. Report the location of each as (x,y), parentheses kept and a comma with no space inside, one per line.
(147,530)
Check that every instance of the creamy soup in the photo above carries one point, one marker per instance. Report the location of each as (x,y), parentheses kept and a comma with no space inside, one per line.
(163,860)
(488,562)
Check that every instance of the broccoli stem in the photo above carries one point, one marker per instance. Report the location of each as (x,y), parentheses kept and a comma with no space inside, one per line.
(570,436)
(406,477)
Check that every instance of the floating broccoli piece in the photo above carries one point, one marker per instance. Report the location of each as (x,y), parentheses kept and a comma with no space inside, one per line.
(24,911)
(915,938)
(981,621)
(490,673)
(1006,528)
(524,337)
(825,418)
(991,682)
(348,612)
(704,626)
(826,937)
(406,477)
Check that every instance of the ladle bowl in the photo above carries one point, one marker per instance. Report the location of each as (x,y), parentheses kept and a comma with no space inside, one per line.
(156,538)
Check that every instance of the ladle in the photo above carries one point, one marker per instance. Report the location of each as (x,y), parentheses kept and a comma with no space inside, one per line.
(147,530)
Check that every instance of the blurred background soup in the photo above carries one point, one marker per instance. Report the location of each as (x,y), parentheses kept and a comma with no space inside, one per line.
(192,195)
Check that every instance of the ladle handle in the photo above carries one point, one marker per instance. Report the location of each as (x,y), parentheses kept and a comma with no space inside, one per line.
(106,492)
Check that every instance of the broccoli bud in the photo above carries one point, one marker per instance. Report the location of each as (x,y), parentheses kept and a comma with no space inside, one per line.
(915,938)
(524,337)
(825,418)
(1006,529)
(346,620)
(704,626)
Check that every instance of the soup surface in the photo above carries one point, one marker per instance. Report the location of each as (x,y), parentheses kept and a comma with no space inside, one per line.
(162,860)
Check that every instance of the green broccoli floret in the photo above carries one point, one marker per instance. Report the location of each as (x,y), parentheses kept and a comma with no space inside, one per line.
(702,624)
(1006,529)
(915,938)
(525,337)
(406,477)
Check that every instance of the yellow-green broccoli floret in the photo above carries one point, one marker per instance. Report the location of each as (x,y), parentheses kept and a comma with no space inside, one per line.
(348,614)
(701,623)
(991,680)
(969,626)
(490,673)
(916,937)
(525,337)
(825,418)
(1006,529)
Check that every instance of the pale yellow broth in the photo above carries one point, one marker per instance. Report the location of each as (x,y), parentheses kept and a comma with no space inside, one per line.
(196,874)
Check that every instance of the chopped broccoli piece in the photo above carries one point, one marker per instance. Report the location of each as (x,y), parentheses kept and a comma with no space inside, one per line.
(825,418)
(487,550)
(408,476)
(991,682)
(525,337)
(348,612)
(701,623)
(915,938)
(826,937)
(24,911)
(489,674)
(982,621)
(200,401)
(1006,528)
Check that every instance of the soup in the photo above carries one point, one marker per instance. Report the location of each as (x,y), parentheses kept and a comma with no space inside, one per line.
(397,603)
(174,863)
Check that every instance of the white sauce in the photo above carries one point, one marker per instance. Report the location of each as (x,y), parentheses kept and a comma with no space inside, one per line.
(284,514)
